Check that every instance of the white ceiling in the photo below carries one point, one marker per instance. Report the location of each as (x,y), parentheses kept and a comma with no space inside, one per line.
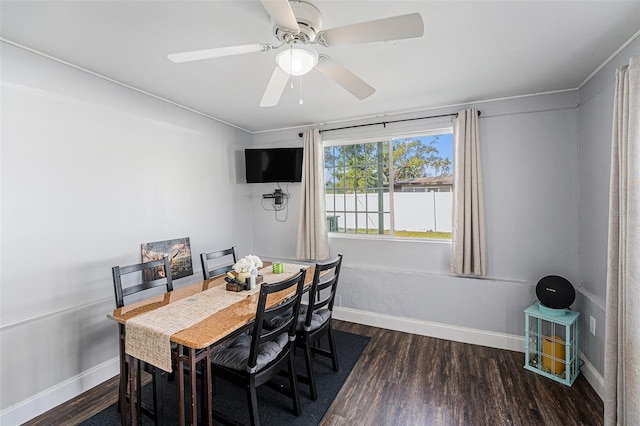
(471,51)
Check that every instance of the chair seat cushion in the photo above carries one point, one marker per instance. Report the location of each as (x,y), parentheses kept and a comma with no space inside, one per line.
(235,355)
(278,320)
(318,318)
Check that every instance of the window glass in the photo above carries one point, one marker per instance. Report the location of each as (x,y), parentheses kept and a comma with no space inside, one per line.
(413,201)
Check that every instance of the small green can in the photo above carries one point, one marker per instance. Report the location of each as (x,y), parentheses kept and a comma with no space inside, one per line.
(278,268)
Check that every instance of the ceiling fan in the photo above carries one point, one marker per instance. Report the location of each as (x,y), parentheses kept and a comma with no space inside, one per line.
(298,26)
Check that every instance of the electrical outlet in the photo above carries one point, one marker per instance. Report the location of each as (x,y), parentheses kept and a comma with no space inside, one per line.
(592,325)
(338,301)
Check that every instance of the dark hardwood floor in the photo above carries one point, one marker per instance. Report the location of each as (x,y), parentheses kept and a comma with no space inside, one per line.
(405,379)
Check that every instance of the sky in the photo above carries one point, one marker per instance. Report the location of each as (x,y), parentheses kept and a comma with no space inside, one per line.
(445,146)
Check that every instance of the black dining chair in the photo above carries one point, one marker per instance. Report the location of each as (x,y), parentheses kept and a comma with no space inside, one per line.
(222,260)
(252,359)
(129,281)
(314,319)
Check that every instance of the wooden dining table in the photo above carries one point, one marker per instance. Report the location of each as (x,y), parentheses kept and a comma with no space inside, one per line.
(197,342)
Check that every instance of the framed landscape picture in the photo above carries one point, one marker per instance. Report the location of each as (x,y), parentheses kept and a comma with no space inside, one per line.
(179,252)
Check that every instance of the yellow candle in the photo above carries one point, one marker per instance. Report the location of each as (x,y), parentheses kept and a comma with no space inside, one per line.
(553,347)
(242,276)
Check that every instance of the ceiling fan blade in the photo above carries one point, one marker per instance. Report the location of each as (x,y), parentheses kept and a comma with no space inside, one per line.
(282,14)
(345,78)
(394,28)
(218,52)
(274,89)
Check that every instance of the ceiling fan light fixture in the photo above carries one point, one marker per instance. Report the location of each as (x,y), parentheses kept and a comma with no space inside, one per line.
(297,60)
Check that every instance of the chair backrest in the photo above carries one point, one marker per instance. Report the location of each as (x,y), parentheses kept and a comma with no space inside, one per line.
(148,275)
(287,312)
(223,263)
(324,286)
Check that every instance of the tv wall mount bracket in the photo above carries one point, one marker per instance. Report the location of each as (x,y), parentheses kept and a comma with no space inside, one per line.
(277,195)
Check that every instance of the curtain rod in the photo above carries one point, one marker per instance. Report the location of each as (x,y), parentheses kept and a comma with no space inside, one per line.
(384,123)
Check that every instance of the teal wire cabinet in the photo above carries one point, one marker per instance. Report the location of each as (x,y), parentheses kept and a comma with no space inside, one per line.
(551,342)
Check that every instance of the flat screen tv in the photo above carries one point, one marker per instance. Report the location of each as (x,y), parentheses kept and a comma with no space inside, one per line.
(273,165)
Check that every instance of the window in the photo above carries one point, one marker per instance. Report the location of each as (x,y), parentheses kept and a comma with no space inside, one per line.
(395,186)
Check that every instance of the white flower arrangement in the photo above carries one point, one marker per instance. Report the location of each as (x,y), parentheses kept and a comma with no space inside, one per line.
(247,263)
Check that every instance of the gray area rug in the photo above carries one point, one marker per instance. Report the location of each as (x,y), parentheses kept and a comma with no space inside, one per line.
(275,408)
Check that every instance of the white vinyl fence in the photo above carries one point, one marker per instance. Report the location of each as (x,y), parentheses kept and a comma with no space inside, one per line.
(413,211)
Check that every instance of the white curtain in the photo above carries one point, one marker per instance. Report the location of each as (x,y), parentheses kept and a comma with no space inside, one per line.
(468,253)
(313,241)
(622,327)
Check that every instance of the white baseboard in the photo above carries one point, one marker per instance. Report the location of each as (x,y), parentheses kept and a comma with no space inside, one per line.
(592,375)
(458,334)
(432,329)
(56,395)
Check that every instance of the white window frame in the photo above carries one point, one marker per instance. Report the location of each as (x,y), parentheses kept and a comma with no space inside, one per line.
(386,137)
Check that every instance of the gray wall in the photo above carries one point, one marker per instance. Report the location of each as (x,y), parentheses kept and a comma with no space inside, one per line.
(529,157)
(595,115)
(90,170)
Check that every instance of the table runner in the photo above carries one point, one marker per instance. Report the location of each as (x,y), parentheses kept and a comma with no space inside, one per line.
(148,335)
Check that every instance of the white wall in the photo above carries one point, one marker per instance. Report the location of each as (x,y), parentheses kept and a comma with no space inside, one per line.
(529,148)
(595,118)
(90,170)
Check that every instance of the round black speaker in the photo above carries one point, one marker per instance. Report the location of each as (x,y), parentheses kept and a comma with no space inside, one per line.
(555,292)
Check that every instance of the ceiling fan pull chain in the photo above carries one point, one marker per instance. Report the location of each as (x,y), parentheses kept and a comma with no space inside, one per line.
(290,59)
(300,102)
